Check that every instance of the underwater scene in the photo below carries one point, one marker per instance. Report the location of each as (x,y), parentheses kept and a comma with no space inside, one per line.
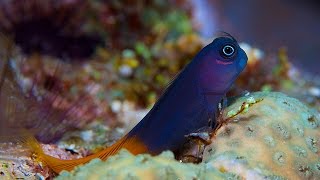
(159,89)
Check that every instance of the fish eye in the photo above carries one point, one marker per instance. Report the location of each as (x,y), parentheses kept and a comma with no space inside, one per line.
(228,51)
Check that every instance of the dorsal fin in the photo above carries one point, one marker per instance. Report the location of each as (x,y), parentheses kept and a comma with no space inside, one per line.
(169,86)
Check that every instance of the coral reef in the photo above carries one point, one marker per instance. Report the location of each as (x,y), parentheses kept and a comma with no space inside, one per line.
(49,27)
(277,137)
(266,72)
(275,72)
(71,30)
(161,42)
(272,136)
(151,49)
(127,166)
(264,135)
(16,163)
(90,139)
(129,51)
(135,36)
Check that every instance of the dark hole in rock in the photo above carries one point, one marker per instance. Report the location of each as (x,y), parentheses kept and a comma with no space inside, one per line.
(43,36)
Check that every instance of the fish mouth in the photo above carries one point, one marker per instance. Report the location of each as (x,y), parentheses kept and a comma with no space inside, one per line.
(224,62)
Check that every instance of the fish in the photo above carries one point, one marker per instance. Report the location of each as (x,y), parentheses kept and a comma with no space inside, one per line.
(189,103)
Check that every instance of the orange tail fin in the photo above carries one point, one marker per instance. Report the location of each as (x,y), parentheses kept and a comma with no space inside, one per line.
(132,144)
(18,111)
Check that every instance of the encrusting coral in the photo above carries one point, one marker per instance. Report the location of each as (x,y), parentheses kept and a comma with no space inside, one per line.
(277,137)
(127,166)
(273,137)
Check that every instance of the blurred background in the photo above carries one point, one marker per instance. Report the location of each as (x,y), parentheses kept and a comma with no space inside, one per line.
(109,61)
(267,24)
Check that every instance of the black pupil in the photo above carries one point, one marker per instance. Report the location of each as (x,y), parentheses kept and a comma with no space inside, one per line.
(228,50)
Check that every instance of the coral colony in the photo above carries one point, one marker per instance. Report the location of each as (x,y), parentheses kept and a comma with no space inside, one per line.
(79,75)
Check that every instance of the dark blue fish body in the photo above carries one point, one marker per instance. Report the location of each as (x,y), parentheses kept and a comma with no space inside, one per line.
(187,105)
(192,98)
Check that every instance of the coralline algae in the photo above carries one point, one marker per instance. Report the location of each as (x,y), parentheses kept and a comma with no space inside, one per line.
(276,138)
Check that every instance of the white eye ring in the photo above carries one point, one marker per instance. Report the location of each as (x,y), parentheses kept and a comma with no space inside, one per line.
(228,50)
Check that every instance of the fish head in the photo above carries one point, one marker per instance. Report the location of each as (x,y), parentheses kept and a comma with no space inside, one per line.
(219,64)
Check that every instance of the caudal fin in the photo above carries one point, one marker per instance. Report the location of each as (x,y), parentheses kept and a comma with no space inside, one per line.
(132,144)
(19,111)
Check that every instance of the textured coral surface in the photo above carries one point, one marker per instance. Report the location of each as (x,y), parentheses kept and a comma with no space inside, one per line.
(127,166)
(277,137)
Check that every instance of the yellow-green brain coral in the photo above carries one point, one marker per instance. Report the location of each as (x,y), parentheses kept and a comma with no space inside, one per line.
(127,166)
(276,138)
